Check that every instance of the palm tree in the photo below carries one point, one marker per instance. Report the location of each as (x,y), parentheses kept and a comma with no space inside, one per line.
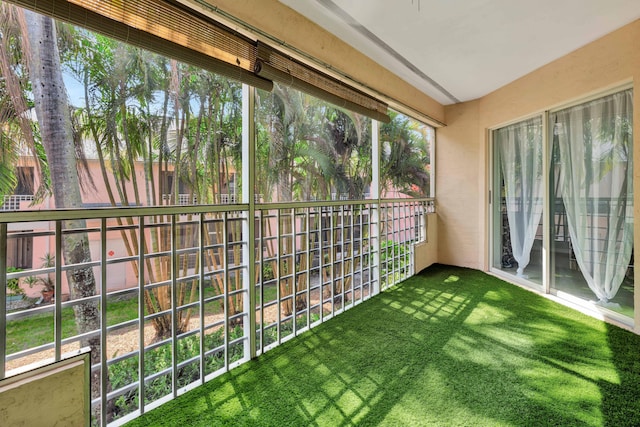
(308,149)
(404,156)
(16,131)
(184,124)
(55,126)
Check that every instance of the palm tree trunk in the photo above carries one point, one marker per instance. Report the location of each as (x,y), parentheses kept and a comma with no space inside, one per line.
(52,109)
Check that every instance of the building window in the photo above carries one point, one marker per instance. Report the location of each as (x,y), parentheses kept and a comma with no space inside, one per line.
(20,251)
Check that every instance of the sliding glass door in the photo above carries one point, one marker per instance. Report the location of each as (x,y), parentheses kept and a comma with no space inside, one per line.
(590,202)
(592,175)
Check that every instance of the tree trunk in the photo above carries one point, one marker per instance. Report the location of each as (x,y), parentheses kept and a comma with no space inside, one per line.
(52,109)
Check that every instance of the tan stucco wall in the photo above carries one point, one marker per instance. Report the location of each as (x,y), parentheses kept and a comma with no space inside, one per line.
(281,22)
(462,156)
(458,157)
(426,253)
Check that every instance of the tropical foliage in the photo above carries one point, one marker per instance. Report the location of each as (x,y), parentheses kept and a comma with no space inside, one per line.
(405,156)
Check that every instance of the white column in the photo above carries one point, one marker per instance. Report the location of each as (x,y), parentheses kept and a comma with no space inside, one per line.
(248,227)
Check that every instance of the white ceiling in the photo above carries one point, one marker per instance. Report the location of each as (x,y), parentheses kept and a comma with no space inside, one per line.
(458,50)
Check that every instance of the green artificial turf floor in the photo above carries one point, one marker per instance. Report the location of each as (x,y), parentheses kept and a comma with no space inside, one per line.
(449,347)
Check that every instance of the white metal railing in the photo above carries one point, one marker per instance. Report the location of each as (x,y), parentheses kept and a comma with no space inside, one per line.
(12,203)
(185,199)
(192,272)
(182,199)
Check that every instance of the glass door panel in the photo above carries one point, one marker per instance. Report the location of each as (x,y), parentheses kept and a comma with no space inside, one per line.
(518,200)
(591,178)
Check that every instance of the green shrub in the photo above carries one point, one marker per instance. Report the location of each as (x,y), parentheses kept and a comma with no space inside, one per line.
(393,256)
(267,272)
(126,371)
(13,285)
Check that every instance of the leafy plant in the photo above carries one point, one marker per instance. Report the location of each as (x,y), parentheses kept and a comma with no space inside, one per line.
(125,372)
(393,256)
(48,282)
(267,272)
(13,285)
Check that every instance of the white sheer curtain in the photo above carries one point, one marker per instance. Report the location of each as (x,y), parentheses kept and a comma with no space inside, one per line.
(520,153)
(594,142)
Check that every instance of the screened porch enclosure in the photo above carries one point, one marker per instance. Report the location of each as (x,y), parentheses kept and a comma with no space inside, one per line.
(188,187)
(211,214)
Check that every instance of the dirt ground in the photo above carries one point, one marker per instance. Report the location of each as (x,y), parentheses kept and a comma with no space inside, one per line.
(121,342)
(126,340)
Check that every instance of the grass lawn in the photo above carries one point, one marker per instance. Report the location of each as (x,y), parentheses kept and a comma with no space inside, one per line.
(38,329)
(449,347)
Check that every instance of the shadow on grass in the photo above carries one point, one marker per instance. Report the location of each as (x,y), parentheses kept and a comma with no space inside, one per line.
(448,347)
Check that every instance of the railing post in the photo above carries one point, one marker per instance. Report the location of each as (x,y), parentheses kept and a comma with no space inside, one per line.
(343,218)
(293,269)
(104,372)
(332,258)
(201,261)
(174,305)
(58,293)
(309,264)
(278,275)
(141,324)
(375,204)
(3,298)
(261,259)
(225,283)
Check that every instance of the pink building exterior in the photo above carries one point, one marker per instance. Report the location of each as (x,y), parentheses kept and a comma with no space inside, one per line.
(28,251)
